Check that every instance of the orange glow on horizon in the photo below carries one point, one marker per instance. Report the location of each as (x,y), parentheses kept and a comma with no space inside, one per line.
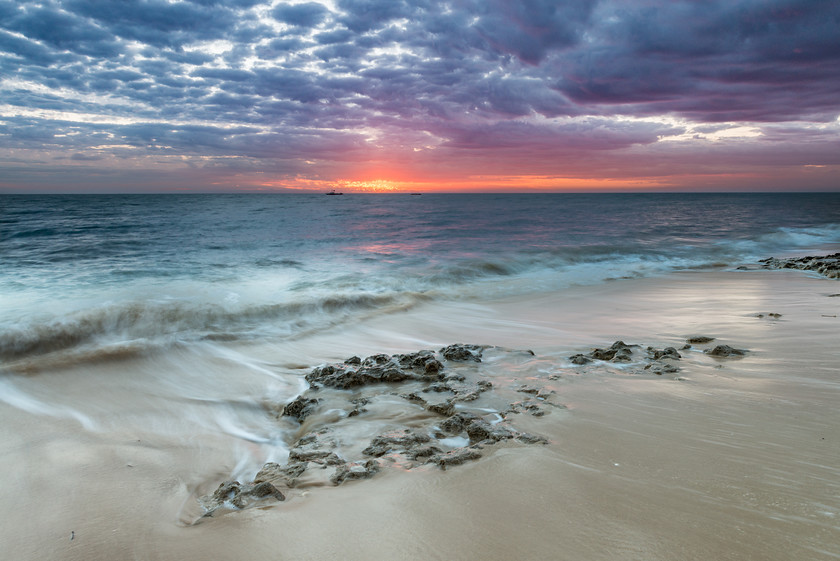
(501,183)
(475,183)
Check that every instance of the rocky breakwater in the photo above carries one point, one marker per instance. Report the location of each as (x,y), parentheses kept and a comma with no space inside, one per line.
(423,409)
(827,265)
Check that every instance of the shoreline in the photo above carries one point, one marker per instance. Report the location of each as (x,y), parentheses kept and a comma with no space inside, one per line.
(736,460)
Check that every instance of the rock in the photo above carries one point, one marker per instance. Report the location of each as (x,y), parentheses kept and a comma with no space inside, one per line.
(480,430)
(458,422)
(699,340)
(300,408)
(240,495)
(725,351)
(462,353)
(394,442)
(667,352)
(314,455)
(373,370)
(423,453)
(454,457)
(354,360)
(266,489)
(355,470)
(421,360)
(528,389)
(438,387)
(618,352)
(623,355)
(579,359)
(660,368)
(273,473)
(531,438)
(827,266)
(447,408)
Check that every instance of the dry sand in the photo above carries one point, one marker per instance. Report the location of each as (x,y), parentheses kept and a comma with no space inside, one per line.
(727,459)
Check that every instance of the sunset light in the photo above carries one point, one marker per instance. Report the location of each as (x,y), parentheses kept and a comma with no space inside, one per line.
(396,96)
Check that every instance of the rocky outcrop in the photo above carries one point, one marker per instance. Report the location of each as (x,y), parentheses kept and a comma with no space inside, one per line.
(827,265)
(441,426)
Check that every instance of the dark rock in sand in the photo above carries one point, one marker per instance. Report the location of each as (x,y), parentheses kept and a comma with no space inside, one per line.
(660,368)
(439,387)
(353,360)
(699,340)
(355,470)
(423,453)
(462,353)
(266,489)
(341,377)
(667,352)
(458,422)
(827,266)
(725,351)
(394,442)
(300,408)
(241,495)
(480,430)
(454,457)
(579,359)
(421,360)
(531,438)
(275,473)
(618,352)
(447,408)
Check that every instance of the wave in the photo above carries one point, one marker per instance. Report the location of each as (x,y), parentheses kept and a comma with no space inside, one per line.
(317,297)
(110,328)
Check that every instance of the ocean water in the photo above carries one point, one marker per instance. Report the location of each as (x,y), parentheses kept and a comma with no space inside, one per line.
(150,271)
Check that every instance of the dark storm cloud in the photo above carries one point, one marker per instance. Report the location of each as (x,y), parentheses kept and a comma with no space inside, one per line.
(250,79)
(747,60)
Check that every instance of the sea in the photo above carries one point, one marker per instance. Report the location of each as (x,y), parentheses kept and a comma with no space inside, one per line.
(94,273)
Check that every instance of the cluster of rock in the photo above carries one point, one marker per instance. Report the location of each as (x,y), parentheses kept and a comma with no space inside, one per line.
(828,265)
(658,361)
(445,428)
(439,383)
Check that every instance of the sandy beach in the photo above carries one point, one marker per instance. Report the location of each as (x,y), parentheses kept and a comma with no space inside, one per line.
(727,458)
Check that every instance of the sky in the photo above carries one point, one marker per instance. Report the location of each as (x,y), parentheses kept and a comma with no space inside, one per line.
(427,95)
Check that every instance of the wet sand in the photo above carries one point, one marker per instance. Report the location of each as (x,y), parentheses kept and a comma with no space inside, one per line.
(735,458)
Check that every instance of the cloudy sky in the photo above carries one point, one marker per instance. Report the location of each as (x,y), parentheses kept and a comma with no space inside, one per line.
(221,95)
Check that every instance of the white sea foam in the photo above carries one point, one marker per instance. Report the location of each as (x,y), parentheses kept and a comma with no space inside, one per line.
(12,395)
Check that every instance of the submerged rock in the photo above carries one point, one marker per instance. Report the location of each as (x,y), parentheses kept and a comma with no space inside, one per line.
(394,442)
(238,495)
(275,473)
(579,359)
(300,408)
(660,368)
(355,470)
(455,457)
(462,353)
(699,340)
(667,352)
(618,352)
(725,351)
